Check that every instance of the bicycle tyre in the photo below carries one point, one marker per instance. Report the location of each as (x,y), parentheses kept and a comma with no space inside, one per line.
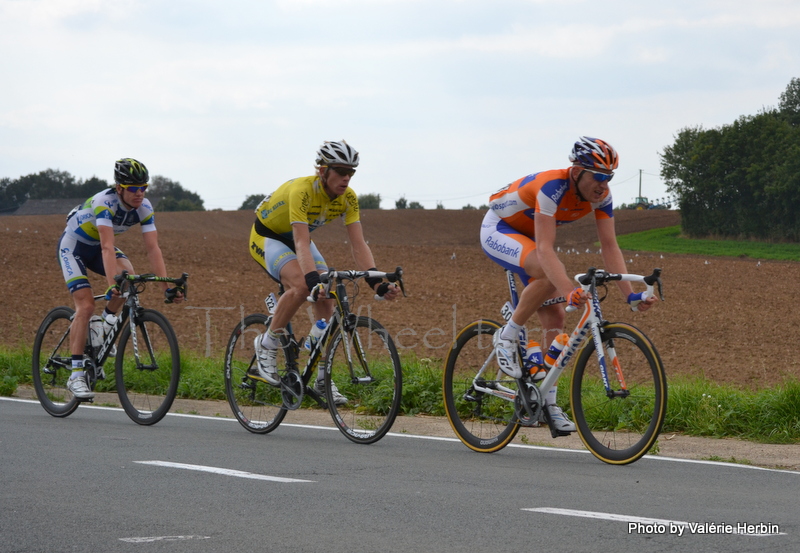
(257,406)
(619,430)
(52,363)
(483,422)
(147,391)
(375,386)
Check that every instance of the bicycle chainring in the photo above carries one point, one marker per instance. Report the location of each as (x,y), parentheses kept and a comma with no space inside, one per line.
(292,390)
(534,402)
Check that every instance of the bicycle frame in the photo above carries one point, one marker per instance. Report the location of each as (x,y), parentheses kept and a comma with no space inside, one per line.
(336,290)
(590,323)
(128,314)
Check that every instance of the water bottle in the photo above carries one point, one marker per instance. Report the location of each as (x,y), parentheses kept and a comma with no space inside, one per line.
(109,320)
(555,349)
(96,331)
(316,332)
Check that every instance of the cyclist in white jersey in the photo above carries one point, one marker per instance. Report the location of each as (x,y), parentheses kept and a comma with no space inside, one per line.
(88,244)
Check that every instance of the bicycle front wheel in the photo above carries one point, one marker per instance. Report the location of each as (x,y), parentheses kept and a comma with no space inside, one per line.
(148,367)
(363,365)
(257,406)
(622,428)
(478,396)
(52,363)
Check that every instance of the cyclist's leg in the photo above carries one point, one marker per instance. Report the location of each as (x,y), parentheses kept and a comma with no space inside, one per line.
(71,255)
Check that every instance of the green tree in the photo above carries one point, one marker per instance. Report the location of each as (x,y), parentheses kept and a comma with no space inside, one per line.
(402,203)
(439,205)
(740,180)
(415,205)
(789,105)
(251,202)
(174,197)
(369,201)
(47,184)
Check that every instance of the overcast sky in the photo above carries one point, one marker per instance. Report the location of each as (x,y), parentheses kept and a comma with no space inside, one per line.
(447,100)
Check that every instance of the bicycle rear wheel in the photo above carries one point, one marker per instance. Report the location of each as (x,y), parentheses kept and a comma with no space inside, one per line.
(257,406)
(365,367)
(483,421)
(52,363)
(148,367)
(621,429)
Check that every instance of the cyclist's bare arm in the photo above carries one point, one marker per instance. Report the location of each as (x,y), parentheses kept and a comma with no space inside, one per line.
(156,259)
(614,260)
(363,256)
(302,245)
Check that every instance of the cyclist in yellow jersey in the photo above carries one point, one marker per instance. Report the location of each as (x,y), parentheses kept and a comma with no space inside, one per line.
(280,242)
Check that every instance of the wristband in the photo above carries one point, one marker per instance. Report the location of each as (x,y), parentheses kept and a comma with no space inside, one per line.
(312,279)
(373,281)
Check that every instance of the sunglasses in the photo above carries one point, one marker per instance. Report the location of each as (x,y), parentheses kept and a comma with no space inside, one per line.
(343,171)
(601,177)
(134,189)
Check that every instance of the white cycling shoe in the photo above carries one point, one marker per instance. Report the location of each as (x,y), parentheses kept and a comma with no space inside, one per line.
(560,420)
(266,363)
(79,388)
(506,353)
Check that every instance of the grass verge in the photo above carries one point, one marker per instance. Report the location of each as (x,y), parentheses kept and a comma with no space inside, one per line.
(670,240)
(696,407)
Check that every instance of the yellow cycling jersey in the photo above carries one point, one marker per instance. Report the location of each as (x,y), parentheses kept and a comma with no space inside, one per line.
(303,200)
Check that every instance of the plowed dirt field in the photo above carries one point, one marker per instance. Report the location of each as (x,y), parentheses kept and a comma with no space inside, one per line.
(724,318)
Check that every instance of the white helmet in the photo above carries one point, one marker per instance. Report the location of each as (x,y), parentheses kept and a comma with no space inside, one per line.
(337,153)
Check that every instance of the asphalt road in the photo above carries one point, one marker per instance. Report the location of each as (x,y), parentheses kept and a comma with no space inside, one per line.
(96,481)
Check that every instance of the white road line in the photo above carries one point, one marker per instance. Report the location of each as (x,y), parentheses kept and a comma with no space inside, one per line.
(445,439)
(226,472)
(642,525)
(163,538)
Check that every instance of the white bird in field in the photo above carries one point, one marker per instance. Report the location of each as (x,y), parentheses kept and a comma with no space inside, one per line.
(453,256)
(708,262)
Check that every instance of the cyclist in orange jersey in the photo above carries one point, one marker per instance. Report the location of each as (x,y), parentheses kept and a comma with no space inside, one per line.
(519,234)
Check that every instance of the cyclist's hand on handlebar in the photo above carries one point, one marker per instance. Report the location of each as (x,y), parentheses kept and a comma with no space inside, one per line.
(173,295)
(112,292)
(316,293)
(576,298)
(641,301)
(387,291)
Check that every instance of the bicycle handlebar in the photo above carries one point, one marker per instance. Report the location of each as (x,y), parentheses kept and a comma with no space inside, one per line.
(593,277)
(327,278)
(180,282)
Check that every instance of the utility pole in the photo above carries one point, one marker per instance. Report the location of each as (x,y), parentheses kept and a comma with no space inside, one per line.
(640,183)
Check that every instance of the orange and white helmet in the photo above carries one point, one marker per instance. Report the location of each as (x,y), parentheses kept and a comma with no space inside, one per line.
(594,153)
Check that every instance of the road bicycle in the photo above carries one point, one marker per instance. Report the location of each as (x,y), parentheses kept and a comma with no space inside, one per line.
(355,352)
(618,389)
(147,364)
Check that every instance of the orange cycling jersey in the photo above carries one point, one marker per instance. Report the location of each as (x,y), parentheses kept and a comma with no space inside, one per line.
(548,193)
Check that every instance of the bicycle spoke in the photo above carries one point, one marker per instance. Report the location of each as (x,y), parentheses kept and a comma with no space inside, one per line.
(479,398)
(621,424)
(148,368)
(365,368)
(52,363)
(257,406)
